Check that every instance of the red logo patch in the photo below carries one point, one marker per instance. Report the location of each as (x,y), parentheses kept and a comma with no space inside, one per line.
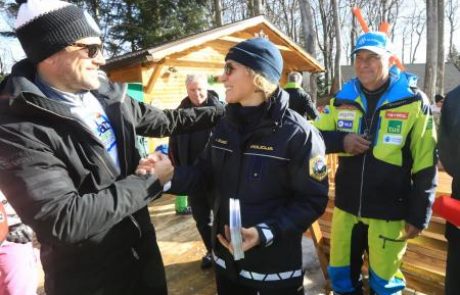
(397,115)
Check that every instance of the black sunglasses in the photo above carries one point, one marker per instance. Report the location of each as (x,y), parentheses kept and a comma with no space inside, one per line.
(228,69)
(93,49)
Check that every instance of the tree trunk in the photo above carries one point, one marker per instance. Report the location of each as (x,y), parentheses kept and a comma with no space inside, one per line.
(431,48)
(326,48)
(310,41)
(94,6)
(353,35)
(441,63)
(218,12)
(452,18)
(403,45)
(385,10)
(337,83)
(256,7)
(250,4)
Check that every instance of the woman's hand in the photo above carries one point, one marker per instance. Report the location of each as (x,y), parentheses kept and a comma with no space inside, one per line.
(250,237)
(158,164)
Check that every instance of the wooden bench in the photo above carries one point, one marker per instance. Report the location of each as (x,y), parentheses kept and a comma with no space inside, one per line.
(425,259)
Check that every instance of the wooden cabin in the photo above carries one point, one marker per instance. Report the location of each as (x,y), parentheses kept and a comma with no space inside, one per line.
(162,69)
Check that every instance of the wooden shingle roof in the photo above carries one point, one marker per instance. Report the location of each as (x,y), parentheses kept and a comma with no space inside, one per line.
(222,38)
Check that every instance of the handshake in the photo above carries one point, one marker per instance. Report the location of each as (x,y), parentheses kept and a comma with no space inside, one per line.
(156,164)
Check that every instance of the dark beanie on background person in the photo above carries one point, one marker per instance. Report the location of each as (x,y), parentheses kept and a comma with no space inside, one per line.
(260,55)
(45,27)
(438,98)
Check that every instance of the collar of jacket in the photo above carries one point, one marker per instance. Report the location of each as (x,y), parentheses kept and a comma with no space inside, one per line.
(277,105)
(402,86)
(20,90)
(292,85)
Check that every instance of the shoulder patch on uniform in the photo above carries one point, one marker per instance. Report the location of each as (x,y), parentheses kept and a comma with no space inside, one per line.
(318,167)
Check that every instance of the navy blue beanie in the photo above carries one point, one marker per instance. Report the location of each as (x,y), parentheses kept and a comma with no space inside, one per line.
(260,55)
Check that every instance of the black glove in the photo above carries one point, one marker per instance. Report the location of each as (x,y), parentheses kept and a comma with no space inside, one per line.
(19,233)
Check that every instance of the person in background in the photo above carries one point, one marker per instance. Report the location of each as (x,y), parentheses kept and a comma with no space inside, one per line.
(436,111)
(184,149)
(436,108)
(449,152)
(438,102)
(18,262)
(270,160)
(299,100)
(68,156)
(381,125)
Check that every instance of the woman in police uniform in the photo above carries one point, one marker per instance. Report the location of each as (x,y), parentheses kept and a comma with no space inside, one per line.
(271,160)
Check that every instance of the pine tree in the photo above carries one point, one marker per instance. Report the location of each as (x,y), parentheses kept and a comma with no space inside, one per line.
(141,24)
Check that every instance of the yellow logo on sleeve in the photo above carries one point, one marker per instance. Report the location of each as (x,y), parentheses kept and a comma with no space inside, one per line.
(318,167)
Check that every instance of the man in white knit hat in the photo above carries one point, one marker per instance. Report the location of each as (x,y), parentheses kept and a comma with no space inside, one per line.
(68,157)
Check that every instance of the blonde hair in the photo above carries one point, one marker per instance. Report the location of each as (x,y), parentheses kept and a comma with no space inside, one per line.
(262,84)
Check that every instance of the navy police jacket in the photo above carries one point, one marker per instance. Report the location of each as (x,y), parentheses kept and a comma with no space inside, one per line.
(278,172)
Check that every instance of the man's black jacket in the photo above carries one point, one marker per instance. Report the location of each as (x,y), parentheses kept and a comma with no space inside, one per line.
(185,148)
(449,148)
(91,220)
(301,102)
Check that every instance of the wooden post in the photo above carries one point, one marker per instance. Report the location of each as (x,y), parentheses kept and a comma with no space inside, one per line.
(153,78)
(317,237)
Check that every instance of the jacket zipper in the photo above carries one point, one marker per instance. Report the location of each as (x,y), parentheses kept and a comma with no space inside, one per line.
(104,164)
(122,124)
(367,133)
(136,224)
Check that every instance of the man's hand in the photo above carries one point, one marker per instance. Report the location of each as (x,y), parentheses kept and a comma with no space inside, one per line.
(355,144)
(164,169)
(411,232)
(158,164)
(146,165)
(250,237)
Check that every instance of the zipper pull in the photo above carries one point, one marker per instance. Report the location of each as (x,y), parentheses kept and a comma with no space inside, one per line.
(367,135)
